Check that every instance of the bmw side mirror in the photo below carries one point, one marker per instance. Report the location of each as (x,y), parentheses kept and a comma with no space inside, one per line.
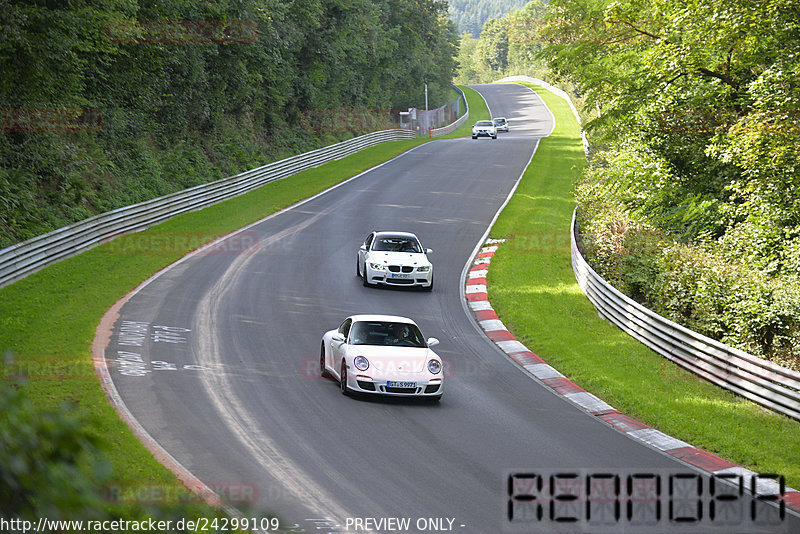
(428,251)
(432,342)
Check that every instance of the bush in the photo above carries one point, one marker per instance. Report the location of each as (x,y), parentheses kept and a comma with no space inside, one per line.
(697,285)
(50,465)
(53,467)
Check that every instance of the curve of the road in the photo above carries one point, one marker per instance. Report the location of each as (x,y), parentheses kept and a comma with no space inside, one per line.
(216,357)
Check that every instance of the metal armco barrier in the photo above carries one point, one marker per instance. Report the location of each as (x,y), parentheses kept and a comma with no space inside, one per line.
(444,130)
(22,259)
(761,381)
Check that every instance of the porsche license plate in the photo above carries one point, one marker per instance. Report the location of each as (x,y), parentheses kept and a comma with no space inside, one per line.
(400,384)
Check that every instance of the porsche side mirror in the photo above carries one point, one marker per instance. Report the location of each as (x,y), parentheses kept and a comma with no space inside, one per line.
(432,342)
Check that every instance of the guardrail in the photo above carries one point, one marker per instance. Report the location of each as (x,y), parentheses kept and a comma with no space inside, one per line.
(759,380)
(22,259)
(444,130)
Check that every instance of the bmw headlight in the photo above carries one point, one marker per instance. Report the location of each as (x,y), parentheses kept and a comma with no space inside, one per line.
(376,266)
(424,269)
(361,363)
(434,366)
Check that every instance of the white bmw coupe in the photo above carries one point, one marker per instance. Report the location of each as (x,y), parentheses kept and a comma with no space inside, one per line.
(382,355)
(394,258)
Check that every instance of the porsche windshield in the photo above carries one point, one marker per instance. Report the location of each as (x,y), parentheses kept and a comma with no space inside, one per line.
(386,333)
(396,244)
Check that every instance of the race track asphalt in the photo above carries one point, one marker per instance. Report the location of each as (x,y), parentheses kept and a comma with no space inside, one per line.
(217,358)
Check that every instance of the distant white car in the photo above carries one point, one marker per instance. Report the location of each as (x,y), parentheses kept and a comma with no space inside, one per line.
(484,129)
(382,355)
(500,124)
(396,259)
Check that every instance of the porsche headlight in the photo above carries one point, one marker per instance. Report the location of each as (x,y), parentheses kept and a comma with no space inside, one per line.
(424,269)
(376,266)
(361,363)
(434,366)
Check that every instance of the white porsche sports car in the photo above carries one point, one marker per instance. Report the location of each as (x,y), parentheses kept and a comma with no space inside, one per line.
(382,355)
(394,258)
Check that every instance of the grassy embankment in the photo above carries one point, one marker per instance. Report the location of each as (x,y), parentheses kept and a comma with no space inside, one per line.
(533,289)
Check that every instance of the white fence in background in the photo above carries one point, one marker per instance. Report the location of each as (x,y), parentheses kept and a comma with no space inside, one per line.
(22,259)
(759,380)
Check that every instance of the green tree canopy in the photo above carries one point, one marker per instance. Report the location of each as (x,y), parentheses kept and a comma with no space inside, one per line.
(179,92)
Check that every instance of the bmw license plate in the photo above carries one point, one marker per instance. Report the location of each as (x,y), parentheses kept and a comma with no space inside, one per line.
(400,384)
(396,275)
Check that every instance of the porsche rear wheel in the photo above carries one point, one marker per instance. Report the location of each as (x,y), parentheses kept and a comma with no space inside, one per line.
(343,381)
(322,372)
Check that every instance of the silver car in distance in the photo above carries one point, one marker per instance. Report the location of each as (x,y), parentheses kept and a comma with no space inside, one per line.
(500,124)
(484,129)
(382,355)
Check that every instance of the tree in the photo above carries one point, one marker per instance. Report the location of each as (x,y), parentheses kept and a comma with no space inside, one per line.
(696,156)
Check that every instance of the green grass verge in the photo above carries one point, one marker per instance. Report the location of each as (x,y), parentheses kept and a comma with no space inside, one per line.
(48,320)
(533,289)
(477,111)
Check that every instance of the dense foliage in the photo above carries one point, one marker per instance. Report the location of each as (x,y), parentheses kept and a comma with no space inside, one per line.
(108,104)
(506,46)
(471,15)
(691,201)
(52,468)
(49,464)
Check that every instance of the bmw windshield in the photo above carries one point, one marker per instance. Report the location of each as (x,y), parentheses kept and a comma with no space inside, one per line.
(396,244)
